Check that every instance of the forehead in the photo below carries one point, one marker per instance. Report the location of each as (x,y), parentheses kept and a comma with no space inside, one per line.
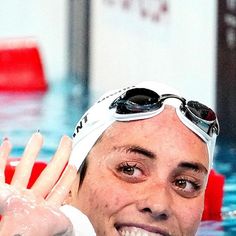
(163,134)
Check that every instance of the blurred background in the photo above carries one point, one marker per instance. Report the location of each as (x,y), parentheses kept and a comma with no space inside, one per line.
(115,42)
(57,57)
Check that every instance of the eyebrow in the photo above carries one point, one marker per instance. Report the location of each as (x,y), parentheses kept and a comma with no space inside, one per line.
(195,166)
(137,150)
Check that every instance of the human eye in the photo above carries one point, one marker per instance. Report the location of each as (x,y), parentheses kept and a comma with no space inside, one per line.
(187,187)
(130,172)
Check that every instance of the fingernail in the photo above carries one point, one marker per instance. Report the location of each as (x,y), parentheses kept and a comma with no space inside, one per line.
(65,140)
(4,141)
(34,136)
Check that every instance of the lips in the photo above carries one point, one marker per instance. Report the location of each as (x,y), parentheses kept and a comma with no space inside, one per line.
(140,231)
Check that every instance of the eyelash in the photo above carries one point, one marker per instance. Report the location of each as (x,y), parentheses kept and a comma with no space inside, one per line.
(195,185)
(123,168)
(126,165)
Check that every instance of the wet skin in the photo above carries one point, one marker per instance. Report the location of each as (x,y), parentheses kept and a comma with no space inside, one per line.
(145,176)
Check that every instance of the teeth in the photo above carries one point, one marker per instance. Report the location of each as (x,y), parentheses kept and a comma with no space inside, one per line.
(133,231)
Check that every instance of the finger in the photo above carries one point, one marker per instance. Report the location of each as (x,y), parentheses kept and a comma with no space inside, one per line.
(5,150)
(5,194)
(24,168)
(62,188)
(52,172)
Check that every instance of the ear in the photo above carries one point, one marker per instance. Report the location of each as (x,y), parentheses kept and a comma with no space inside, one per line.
(73,194)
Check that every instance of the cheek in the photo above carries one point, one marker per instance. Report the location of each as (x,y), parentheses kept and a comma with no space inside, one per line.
(100,200)
(190,214)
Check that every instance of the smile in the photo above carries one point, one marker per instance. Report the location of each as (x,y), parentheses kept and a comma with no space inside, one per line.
(134,231)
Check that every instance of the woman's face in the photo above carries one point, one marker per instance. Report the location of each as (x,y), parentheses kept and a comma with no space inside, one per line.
(145,178)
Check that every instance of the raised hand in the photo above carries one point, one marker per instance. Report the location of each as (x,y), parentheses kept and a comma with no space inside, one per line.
(36,211)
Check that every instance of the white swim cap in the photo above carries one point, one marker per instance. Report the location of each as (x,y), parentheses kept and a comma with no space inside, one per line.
(100,116)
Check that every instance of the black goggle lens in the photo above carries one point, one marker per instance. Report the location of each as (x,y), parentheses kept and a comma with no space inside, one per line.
(137,100)
(141,96)
(201,111)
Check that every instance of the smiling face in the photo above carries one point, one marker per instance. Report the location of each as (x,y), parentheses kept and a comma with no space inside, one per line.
(145,178)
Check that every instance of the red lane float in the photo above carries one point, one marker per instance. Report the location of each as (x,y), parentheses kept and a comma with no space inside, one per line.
(213,197)
(11,165)
(21,68)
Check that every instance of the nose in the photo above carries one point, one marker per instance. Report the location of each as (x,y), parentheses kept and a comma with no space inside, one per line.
(156,202)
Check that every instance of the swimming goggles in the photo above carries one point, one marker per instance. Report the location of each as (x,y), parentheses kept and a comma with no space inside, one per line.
(142,101)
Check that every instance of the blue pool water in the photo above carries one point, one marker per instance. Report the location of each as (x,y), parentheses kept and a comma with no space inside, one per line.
(56,112)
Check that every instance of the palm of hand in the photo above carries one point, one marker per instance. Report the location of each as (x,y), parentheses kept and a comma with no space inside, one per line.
(35,211)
